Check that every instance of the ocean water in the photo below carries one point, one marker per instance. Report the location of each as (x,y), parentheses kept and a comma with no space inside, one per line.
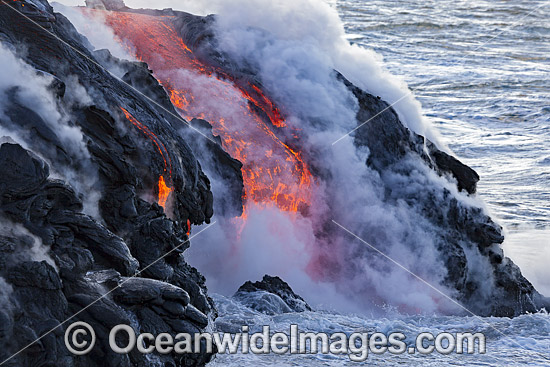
(522,341)
(482,73)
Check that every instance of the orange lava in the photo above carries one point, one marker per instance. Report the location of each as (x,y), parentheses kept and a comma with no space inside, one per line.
(274,174)
(164,191)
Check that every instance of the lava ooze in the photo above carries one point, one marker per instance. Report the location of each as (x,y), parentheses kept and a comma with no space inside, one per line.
(274,173)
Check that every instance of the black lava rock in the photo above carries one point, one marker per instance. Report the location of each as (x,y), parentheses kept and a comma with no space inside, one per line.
(272,296)
(83,233)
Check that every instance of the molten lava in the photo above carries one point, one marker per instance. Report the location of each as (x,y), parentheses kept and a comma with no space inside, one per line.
(164,191)
(248,122)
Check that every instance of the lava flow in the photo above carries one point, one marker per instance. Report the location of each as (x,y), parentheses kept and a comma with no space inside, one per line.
(164,191)
(273,172)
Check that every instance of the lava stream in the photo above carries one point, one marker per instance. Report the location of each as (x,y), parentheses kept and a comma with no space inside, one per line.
(273,173)
(164,191)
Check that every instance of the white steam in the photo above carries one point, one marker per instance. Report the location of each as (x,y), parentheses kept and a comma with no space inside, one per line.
(95,30)
(295,45)
(200,7)
(33,93)
(6,291)
(306,30)
(37,251)
(76,94)
(310,28)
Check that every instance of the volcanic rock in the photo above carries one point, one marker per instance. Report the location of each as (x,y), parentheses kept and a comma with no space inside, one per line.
(393,141)
(394,148)
(271,296)
(83,233)
(22,173)
(87,239)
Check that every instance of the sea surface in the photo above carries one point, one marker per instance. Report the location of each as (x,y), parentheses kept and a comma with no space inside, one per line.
(481,70)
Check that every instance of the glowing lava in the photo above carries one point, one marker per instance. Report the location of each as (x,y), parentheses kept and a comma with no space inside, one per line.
(273,172)
(164,191)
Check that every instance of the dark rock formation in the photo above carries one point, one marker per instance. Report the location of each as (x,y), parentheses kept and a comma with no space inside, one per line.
(121,263)
(80,247)
(392,141)
(271,296)
(394,148)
